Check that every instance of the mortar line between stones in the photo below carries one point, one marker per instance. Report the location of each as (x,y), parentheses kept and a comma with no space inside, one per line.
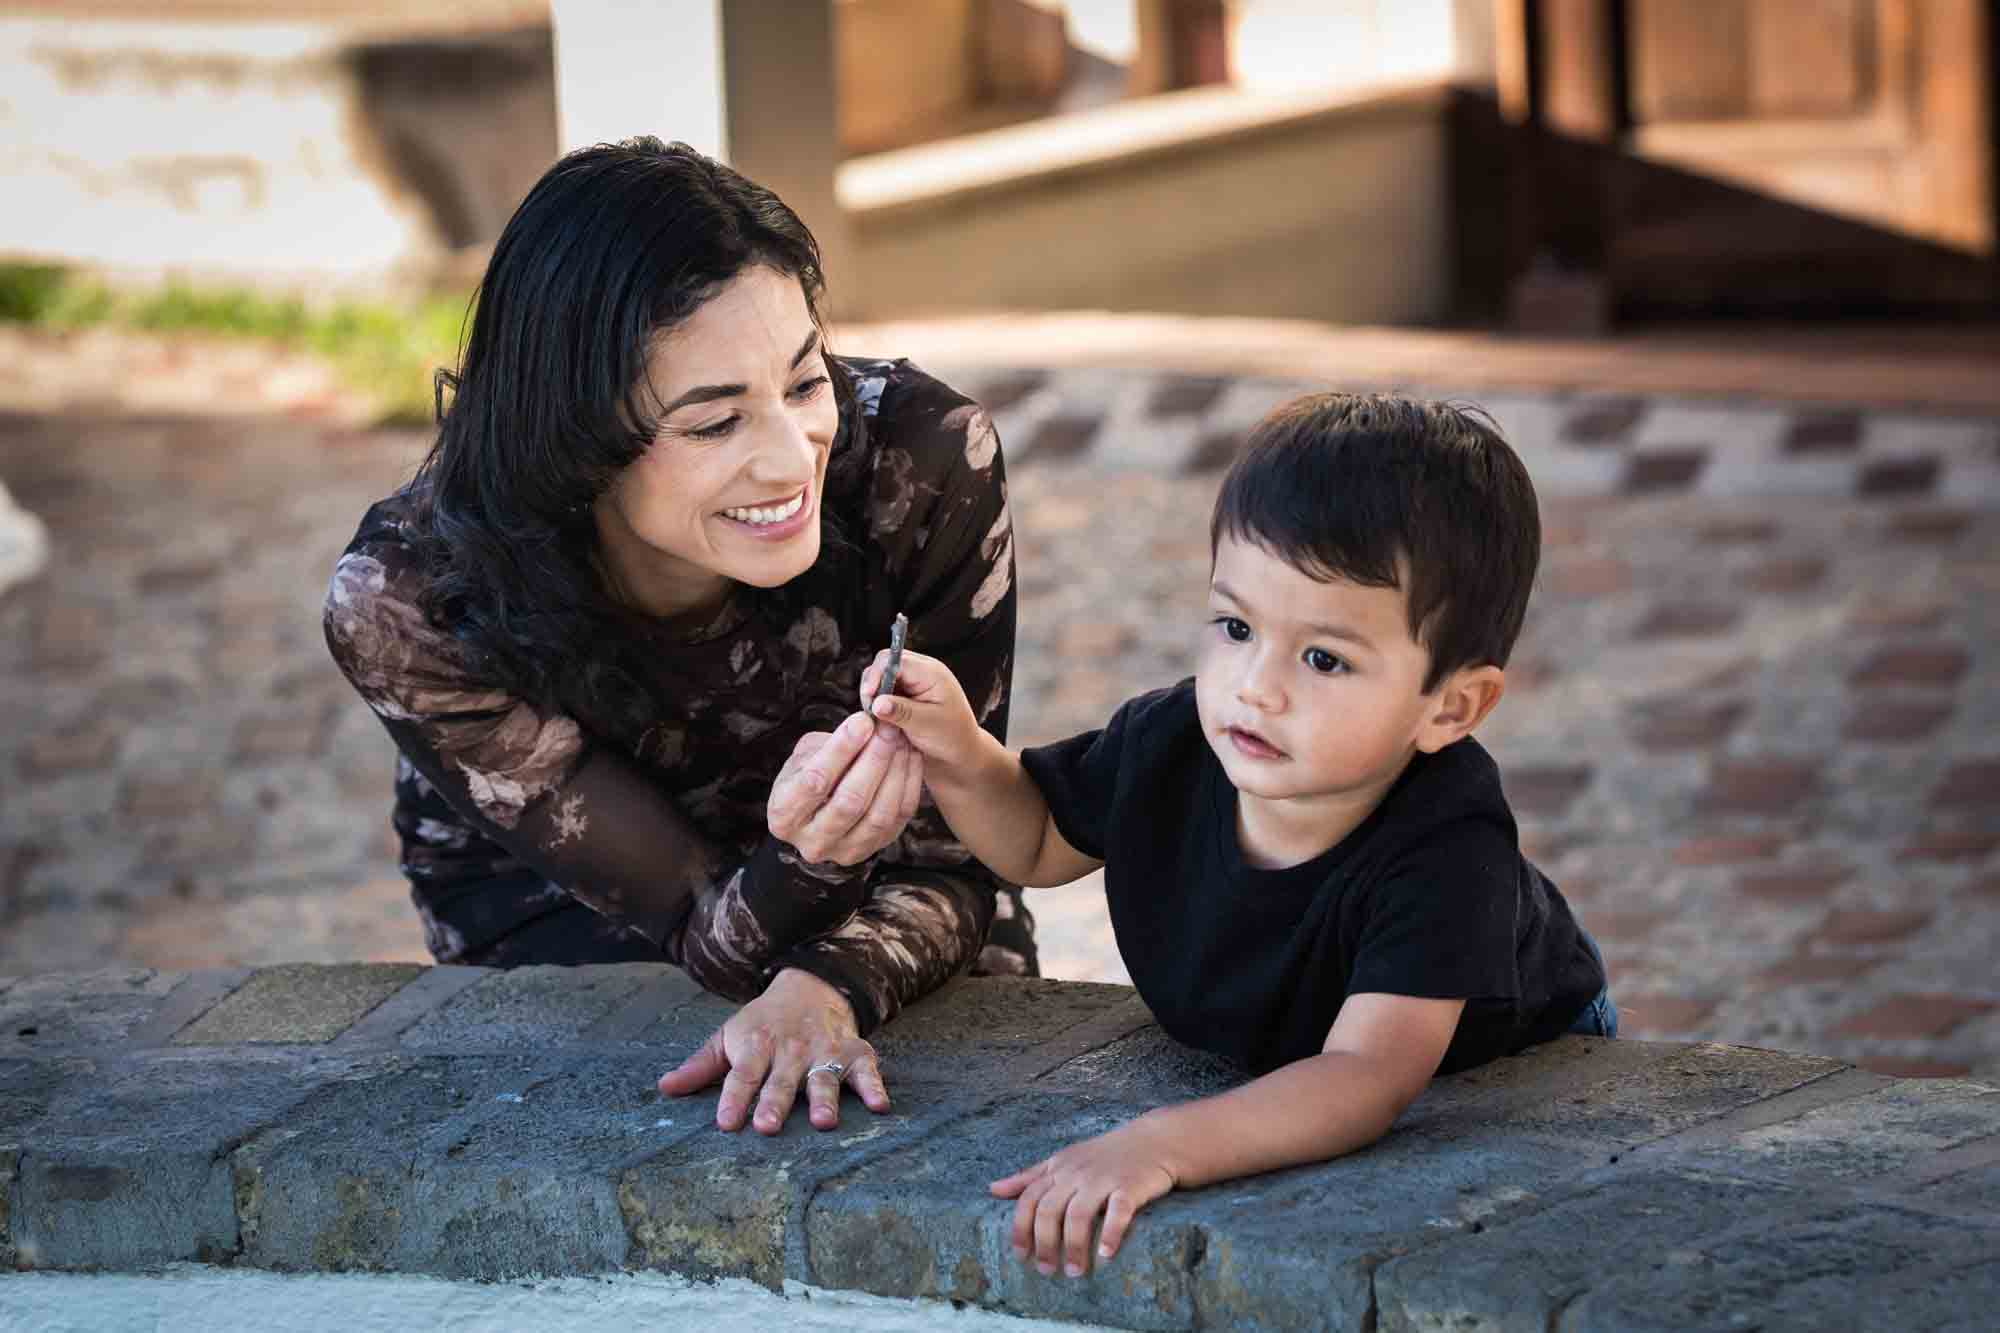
(657,999)
(198,993)
(1828,1089)
(425,993)
(1092,1034)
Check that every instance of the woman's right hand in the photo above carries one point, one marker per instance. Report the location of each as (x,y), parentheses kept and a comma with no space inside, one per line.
(844,795)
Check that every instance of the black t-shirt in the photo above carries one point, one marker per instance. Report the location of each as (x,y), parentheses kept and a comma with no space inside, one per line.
(1429,896)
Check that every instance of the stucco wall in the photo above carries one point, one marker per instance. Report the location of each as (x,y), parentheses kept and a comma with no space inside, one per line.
(1203,202)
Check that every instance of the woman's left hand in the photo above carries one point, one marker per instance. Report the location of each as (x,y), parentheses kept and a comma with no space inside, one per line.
(766,1049)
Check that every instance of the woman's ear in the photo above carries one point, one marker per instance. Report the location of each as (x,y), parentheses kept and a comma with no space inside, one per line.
(1461,703)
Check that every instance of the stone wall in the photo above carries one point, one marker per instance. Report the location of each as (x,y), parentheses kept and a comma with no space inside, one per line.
(479,1126)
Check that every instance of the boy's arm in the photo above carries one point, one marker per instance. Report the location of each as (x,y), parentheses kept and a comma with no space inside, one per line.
(1380,1054)
(979,785)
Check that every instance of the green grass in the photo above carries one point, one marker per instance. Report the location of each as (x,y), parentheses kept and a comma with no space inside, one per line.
(388,351)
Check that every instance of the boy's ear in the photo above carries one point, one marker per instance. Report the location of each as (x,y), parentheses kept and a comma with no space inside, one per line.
(1463,701)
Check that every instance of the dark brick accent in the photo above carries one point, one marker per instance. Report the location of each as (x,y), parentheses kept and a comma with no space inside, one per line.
(1952,845)
(1913,664)
(1808,969)
(1791,574)
(1688,620)
(1729,849)
(1545,789)
(281,736)
(1659,1014)
(1003,391)
(70,635)
(1913,1015)
(1860,925)
(168,579)
(1897,476)
(1759,786)
(1736,531)
(1213,452)
(1887,721)
(1873,615)
(168,797)
(1683,723)
(1606,422)
(1929,525)
(1971,782)
(1611,924)
(1182,395)
(1582,578)
(1824,432)
(1790,886)
(1663,470)
(78,749)
(1061,437)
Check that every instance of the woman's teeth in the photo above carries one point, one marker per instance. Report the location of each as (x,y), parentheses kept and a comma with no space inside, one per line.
(769,513)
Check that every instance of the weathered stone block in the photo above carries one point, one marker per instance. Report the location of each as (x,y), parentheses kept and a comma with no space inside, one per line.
(1285,1250)
(358,1176)
(90,1009)
(10,1161)
(298,1003)
(727,1205)
(1863,1136)
(1519,1271)
(1866,1267)
(133,1171)
(1668,1088)
(990,1019)
(529,1007)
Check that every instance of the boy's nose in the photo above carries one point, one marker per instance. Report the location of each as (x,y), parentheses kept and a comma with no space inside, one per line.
(1258,687)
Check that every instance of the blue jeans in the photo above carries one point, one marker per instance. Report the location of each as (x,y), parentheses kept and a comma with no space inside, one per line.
(1600,1017)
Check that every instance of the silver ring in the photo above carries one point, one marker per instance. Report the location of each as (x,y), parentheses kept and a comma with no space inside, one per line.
(833,1067)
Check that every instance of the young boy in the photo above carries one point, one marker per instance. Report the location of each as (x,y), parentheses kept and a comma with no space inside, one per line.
(1309,862)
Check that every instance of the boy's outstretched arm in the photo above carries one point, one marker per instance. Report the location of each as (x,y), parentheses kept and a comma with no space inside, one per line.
(980,788)
(1381,1052)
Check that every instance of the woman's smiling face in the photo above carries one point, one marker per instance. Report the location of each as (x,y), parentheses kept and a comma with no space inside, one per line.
(730,489)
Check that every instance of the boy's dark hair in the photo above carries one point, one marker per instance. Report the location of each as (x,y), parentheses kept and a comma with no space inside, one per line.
(1370,488)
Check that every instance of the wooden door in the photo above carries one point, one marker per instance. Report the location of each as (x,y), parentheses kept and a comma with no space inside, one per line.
(1764,156)
(1874,110)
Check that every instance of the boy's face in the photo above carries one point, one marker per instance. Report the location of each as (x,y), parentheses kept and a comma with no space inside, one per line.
(1309,693)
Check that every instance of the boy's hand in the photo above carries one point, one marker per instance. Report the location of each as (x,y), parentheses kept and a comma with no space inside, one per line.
(1116,1174)
(930,708)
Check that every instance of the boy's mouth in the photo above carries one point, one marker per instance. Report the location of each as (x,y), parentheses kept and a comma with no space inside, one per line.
(1249,744)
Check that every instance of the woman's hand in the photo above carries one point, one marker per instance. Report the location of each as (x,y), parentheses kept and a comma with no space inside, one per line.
(1060,1197)
(766,1050)
(843,796)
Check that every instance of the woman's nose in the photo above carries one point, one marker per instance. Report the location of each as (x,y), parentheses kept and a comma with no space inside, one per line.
(787,451)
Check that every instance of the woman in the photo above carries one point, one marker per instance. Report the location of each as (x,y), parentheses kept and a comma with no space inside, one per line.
(617,623)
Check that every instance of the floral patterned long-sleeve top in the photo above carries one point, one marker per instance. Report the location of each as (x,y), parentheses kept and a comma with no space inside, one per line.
(661,829)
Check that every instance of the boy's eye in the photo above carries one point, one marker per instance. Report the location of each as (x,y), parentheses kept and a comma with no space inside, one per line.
(1236,630)
(806,389)
(1324,662)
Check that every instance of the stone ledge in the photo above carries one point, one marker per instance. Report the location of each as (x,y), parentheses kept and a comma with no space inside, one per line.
(488,1125)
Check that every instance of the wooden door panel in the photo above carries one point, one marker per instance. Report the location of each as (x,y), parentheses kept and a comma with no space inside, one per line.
(1810,57)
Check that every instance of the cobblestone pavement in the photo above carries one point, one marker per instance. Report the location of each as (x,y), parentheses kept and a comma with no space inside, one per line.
(1750,726)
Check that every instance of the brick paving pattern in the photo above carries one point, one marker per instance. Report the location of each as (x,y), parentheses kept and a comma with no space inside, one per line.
(1750,727)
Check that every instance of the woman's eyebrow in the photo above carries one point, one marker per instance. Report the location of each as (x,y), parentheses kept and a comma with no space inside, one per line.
(708,393)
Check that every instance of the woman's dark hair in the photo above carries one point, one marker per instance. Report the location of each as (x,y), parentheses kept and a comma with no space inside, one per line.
(1373,488)
(614,245)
